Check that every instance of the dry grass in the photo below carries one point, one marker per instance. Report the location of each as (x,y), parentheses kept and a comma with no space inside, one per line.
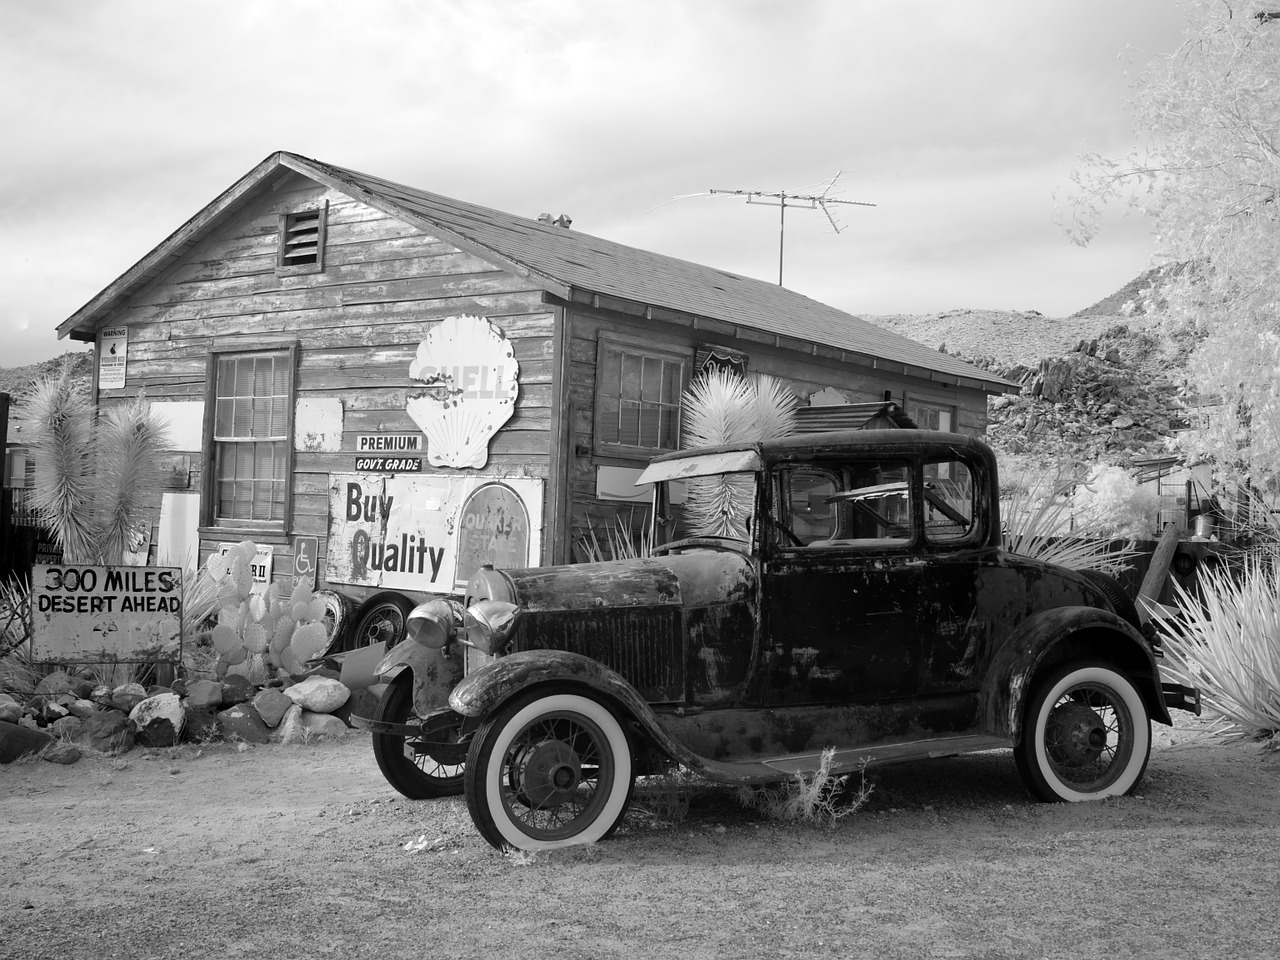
(822,798)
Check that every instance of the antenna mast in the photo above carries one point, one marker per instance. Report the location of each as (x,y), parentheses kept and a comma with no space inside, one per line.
(782,199)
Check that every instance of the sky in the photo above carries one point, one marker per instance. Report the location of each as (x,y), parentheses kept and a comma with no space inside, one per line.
(960,121)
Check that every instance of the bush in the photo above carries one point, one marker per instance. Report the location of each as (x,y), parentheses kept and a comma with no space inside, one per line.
(1225,640)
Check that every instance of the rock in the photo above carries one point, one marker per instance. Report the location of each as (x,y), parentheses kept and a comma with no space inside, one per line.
(290,728)
(271,704)
(68,728)
(57,682)
(241,722)
(203,694)
(61,752)
(101,695)
(318,694)
(236,689)
(200,724)
(10,711)
(82,708)
(17,740)
(1123,423)
(324,725)
(361,703)
(127,696)
(158,720)
(110,732)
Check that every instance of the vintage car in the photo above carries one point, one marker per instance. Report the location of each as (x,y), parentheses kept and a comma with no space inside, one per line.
(844,591)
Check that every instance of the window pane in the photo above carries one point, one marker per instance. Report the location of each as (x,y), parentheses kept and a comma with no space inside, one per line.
(629,424)
(251,405)
(647,411)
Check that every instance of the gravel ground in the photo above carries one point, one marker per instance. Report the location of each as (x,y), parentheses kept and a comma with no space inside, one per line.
(299,852)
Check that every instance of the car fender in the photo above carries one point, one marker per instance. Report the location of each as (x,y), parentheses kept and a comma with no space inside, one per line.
(1031,646)
(435,674)
(485,690)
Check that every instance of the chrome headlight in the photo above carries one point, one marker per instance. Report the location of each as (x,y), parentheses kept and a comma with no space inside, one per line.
(488,625)
(435,623)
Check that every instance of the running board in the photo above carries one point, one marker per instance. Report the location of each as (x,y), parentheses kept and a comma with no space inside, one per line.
(846,761)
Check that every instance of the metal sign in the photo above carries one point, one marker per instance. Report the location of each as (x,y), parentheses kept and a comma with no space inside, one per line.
(388,464)
(95,614)
(412,532)
(305,552)
(113,351)
(390,443)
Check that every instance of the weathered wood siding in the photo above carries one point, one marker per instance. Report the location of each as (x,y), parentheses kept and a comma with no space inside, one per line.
(358,325)
(805,375)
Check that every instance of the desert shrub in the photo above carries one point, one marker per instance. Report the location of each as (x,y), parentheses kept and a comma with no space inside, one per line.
(822,797)
(619,541)
(15,615)
(1114,504)
(1225,640)
(1042,521)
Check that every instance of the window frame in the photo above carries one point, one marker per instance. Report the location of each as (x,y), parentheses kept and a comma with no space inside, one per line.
(287,221)
(644,350)
(912,406)
(211,523)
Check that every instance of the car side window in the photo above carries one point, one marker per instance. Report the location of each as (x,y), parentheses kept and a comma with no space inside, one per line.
(859,504)
(949,508)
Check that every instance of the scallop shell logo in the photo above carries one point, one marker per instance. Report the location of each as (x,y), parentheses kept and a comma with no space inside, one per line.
(471,378)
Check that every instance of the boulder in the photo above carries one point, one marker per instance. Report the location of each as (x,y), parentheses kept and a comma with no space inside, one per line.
(290,728)
(318,694)
(236,689)
(303,726)
(241,722)
(158,720)
(10,709)
(82,708)
(203,694)
(127,696)
(361,703)
(110,732)
(61,752)
(271,704)
(18,741)
(200,724)
(57,682)
(68,728)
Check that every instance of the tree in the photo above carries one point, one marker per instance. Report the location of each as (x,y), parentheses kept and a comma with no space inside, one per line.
(1208,178)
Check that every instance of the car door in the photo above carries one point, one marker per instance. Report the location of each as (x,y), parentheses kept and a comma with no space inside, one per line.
(840,584)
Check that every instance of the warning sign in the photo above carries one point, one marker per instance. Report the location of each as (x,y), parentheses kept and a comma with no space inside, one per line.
(88,614)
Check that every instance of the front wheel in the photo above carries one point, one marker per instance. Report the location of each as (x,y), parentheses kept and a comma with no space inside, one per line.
(421,768)
(549,770)
(1086,735)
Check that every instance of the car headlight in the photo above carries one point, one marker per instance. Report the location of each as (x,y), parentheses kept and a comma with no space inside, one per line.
(488,625)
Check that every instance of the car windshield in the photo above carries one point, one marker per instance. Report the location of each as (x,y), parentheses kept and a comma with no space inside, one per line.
(716,505)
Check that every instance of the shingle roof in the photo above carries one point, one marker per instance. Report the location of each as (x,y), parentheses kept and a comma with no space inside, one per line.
(566,260)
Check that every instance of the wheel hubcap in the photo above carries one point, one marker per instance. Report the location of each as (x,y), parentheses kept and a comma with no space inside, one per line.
(549,774)
(1076,734)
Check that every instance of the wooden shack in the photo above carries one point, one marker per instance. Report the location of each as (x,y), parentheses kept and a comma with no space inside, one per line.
(384,387)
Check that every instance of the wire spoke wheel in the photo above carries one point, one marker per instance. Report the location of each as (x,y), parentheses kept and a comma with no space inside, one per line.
(1086,735)
(547,771)
(422,767)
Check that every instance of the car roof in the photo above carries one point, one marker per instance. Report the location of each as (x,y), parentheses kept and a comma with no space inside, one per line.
(846,441)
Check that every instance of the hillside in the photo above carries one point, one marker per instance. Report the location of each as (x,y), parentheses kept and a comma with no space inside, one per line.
(1096,387)
(15,381)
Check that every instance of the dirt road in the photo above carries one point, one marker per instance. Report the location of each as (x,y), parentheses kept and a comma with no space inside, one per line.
(282,852)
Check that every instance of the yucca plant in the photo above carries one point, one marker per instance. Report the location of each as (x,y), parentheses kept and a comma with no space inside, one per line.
(1225,640)
(721,407)
(621,541)
(1042,523)
(93,477)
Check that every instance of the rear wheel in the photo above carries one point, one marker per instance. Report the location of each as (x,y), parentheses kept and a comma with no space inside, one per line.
(1086,735)
(549,770)
(421,768)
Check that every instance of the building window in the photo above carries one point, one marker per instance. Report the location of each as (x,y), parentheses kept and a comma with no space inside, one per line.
(252,438)
(302,237)
(638,399)
(932,416)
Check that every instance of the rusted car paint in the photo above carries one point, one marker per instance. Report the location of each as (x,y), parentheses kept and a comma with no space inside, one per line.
(435,673)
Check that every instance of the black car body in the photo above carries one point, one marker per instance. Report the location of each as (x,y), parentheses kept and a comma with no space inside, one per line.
(842,592)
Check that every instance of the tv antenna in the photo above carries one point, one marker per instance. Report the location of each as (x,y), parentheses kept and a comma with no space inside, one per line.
(781,199)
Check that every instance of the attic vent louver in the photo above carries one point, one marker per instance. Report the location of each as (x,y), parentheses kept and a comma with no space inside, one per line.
(302,236)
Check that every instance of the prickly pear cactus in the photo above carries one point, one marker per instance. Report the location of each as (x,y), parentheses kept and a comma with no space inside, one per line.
(260,635)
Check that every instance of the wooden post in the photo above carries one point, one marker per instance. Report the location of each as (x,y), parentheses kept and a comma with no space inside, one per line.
(1153,582)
